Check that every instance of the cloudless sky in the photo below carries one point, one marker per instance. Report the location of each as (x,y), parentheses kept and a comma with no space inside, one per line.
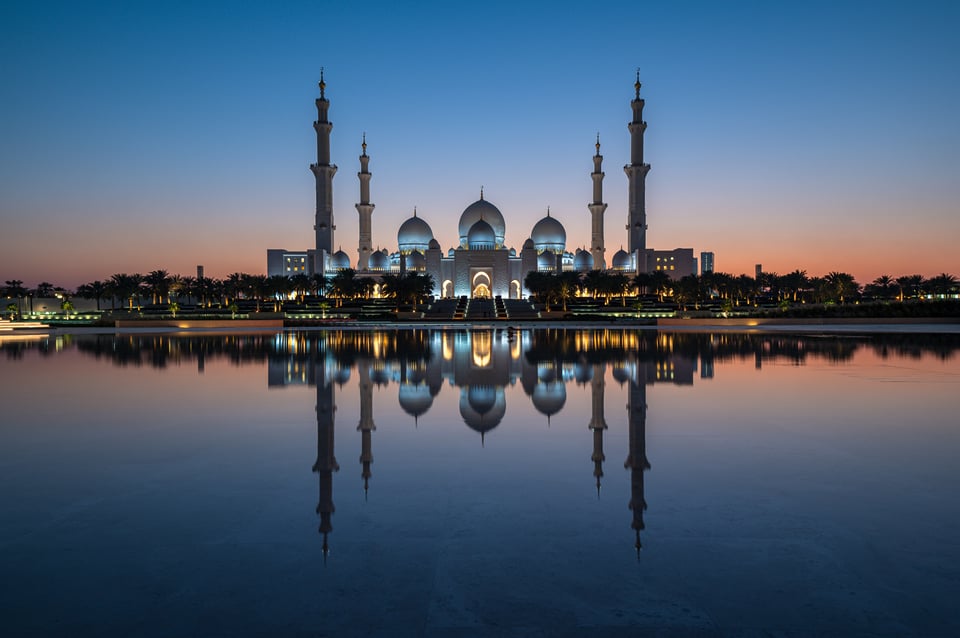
(144,135)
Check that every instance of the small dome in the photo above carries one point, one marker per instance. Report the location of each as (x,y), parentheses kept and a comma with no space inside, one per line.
(546,261)
(379,260)
(339,260)
(621,260)
(513,252)
(548,234)
(582,372)
(528,245)
(549,398)
(481,236)
(482,209)
(583,261)
(414,234)
(433,245)
(415,400)
(450,252)
(416,261)
(482,407)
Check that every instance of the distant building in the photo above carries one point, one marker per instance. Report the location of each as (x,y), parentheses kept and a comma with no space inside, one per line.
(759,270)
(288,262)
(677,263)
(706,263)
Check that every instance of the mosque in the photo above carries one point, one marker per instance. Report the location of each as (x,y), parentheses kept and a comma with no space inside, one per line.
(481,265)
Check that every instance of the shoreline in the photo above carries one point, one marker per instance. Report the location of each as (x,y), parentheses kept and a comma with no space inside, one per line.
(773,325)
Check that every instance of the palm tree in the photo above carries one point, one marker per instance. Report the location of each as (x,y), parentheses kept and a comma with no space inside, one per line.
(344,284)
(882,286)
(278,287)
(124,287)
(158,283)
(93,290)
(794,283)
(256,285)
(301,284)
(568,284)
(942,284)
(233,286)
(910,286)
(842,285)
(15,289)
(660,283)
(44,289)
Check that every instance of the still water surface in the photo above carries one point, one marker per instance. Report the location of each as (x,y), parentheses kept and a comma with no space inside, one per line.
(461,483)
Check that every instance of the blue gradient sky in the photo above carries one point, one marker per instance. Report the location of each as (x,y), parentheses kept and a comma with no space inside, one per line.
(144,135)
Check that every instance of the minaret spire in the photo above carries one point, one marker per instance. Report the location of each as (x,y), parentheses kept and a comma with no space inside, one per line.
(597,209)
(323,172)
(365,209)
(366,426)
(636,172)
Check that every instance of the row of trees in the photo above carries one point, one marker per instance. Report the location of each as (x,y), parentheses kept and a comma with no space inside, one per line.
(730,290)
(160,287)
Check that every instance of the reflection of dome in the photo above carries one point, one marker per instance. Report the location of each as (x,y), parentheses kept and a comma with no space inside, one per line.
(583,261)
(582,372)
(379,260)
(548,398)
(548,234)
(482,407)
(342,375)
(414,234)
(415,399)
(621,260)
(339,260)
(620,374)
(482,209)
(433,245)
(416,261)
(546,261)
(380,375)
(481,236)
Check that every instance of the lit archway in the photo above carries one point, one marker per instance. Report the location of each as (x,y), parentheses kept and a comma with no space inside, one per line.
(446,290)
(481,285)
(516,289)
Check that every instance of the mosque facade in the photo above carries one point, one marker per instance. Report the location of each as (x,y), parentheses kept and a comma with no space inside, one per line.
(481,265)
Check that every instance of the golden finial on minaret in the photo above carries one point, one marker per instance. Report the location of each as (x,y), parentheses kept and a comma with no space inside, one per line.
(364,144)
(598,143)
(636,84)
(323,85)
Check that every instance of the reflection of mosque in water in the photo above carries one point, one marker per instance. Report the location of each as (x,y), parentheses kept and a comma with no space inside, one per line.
(480,364)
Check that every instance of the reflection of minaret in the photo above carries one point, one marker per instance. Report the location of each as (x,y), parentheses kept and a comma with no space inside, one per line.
(366,425)
(597,423)
(326,463)
(636,172)
(365,210)
(637,458)
(597,209)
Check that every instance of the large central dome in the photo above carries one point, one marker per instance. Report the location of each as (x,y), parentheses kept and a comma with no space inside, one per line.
(482,209)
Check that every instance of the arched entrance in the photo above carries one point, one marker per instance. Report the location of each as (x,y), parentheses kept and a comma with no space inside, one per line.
(481,285)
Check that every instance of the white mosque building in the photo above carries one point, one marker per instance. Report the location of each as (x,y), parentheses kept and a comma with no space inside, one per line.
(481,265)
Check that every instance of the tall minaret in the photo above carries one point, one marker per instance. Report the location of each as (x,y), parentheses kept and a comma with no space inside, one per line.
(596,211)
(597,423)
(323,171)
(636,172)
(365,210)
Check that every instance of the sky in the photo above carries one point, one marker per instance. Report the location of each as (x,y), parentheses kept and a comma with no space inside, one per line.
(137,136)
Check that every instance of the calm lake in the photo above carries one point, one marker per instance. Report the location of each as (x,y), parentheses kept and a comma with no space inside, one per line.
(480,482)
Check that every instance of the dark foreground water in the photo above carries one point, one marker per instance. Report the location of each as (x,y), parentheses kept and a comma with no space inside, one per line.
(537,483)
